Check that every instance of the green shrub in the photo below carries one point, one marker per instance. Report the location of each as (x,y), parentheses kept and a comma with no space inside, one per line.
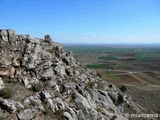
(111,75)
(123,88)
(48,112)
(7,79)
(36,88)
(99,75)
(105,58)
(114,117)
(98,66)
(71,99)
(99,109)
(111,109)
(2,118)
(59,115)
(6,93)
(90,84)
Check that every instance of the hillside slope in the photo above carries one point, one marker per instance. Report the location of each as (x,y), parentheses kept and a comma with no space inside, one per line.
(48,83)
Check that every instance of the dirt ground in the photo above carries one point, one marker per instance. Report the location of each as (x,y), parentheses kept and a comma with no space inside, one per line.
(146,98)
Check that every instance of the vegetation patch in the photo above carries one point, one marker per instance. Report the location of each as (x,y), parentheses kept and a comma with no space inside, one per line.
(59,115)
(71,99)
(98,66)
(147,55)
(111,109)
(119,51)
(111,75)
(146,59)
(109,72)
(99,75)
(123,88)
(9,80)
(36,87)
(98,109)
(48,112)
(124,64)
(90,84)
(105,58)
(2,118)
(6,93)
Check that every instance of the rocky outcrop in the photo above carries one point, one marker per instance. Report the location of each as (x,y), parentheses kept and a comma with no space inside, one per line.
(10,105)
(60,84)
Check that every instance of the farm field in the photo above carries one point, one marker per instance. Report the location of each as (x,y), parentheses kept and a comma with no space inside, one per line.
(135,66)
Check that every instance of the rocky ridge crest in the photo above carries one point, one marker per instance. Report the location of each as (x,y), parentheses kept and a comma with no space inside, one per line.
(67,90)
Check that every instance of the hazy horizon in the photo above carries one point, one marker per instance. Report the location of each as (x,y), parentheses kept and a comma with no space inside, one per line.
(92,21)
(107,42)
(116,44)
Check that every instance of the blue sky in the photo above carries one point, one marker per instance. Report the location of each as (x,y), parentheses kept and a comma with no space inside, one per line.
(84,21)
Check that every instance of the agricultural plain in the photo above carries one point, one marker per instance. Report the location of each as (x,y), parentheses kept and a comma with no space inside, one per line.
(134,66)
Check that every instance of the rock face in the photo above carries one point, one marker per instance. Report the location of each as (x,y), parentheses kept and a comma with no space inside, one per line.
(61,84)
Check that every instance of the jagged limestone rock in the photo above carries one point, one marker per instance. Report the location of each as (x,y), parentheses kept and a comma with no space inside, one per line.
(68,116)
(48,39)
(33,100)
(10,105)
(47,74)
(25,115)
(66,85)
(45,95)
